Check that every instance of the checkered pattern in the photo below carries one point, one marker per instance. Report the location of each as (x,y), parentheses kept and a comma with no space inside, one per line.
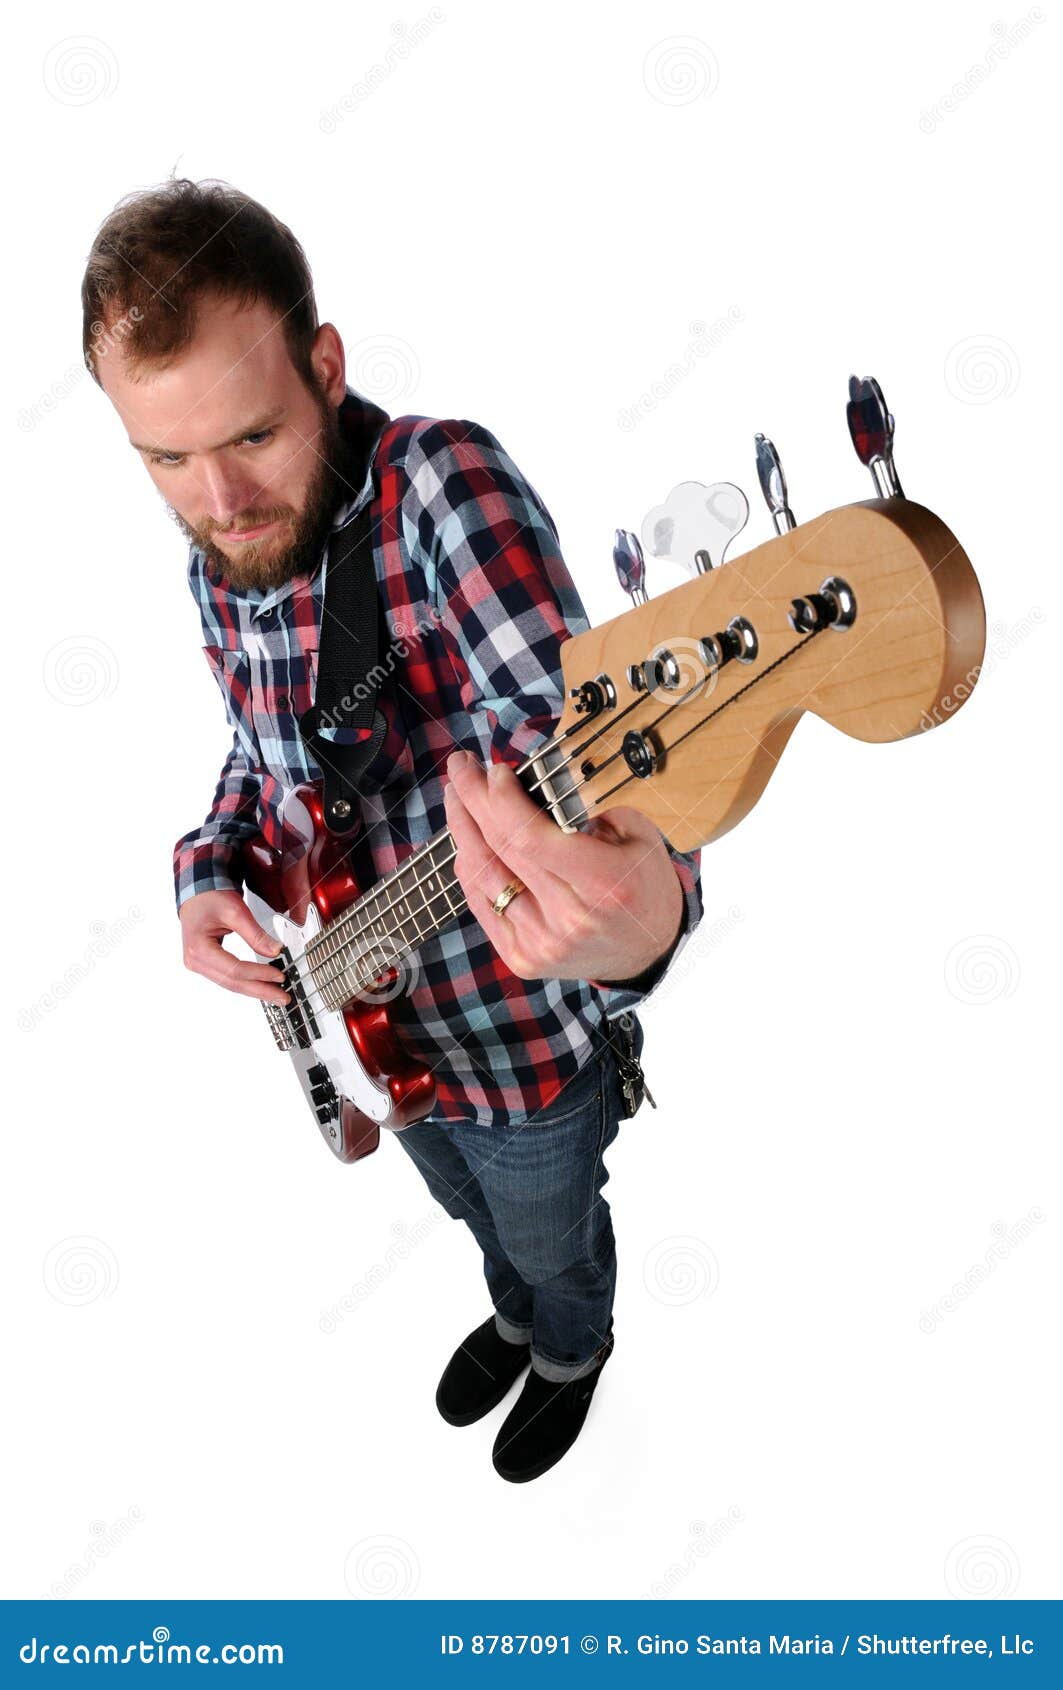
(478,600)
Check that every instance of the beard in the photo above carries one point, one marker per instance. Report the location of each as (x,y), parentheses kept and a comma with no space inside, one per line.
(256,566)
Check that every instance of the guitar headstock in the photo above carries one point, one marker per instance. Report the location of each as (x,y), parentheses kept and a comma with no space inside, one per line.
(869,616)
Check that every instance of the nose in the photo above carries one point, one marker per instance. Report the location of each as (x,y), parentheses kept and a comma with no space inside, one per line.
(227,490)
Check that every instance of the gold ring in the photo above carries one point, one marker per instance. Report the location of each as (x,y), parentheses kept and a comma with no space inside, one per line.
(507,895)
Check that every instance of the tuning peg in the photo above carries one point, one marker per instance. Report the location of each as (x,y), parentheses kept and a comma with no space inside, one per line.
(871,426)
(630,565)
(696,524)
(773,485)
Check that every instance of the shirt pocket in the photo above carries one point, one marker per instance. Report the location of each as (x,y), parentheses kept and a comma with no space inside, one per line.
(232,671)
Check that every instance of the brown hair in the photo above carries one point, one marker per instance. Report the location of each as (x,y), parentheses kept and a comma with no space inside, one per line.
(162,248)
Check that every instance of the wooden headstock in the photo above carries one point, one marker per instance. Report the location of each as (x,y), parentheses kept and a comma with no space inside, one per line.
(907,662)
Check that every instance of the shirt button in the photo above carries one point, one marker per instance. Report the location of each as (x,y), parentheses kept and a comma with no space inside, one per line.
(265,613)
(283,701)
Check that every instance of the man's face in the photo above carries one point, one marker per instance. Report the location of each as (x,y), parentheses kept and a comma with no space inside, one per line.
(250,461)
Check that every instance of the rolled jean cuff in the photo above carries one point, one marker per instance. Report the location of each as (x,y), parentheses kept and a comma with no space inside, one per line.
(560,1372)
(512,1333)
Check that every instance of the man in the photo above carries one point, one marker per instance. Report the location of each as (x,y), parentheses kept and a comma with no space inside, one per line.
(200,326)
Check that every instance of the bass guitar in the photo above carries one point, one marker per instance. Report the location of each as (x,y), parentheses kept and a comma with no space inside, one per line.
(869,616)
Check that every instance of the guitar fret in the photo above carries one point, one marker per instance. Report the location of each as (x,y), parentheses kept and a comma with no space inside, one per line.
(341,960)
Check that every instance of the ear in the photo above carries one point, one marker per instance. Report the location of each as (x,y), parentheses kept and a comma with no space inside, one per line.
(330,364)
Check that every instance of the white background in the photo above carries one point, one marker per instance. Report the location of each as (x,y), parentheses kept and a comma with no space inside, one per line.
(623,238)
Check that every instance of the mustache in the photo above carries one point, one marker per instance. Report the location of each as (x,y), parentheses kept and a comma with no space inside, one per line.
(255,520)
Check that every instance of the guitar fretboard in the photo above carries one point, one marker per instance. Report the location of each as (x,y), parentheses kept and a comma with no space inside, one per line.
(416,901)
(403,910)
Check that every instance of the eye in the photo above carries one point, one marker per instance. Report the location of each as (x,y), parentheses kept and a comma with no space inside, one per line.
(259,438)
(164,460)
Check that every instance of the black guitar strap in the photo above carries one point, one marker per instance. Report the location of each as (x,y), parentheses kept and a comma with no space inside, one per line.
(348,674)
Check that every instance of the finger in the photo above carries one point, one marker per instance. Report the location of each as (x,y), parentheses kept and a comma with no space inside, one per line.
(225,970)
(243,922)
(481,872)
(518,831)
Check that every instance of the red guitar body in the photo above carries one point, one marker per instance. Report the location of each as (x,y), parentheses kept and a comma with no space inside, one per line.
(351,1063)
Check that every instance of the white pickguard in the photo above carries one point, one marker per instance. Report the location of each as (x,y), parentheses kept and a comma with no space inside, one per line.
(333,1049)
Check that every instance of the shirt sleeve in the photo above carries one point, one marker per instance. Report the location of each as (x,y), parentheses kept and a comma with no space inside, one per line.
(204,859)
(505,603)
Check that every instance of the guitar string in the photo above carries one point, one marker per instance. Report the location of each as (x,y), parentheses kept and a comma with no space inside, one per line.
(335,940)
(320,939)
(356,965)
(330,965)
(723,705)
(318,945)
(377,971)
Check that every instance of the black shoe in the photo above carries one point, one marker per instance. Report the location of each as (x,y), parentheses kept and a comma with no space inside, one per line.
(544,1422)
(479,1374)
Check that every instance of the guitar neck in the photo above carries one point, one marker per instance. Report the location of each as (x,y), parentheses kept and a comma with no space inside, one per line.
(406,908)
(421,898)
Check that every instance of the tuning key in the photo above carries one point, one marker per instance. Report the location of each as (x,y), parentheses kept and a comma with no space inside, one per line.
(871,426)
(696,524)
(773,485)
(630,565)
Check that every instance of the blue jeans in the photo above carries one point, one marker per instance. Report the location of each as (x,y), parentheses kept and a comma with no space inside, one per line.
(531,1196)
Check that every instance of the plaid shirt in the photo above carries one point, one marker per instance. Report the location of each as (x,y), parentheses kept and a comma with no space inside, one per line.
(478,600)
